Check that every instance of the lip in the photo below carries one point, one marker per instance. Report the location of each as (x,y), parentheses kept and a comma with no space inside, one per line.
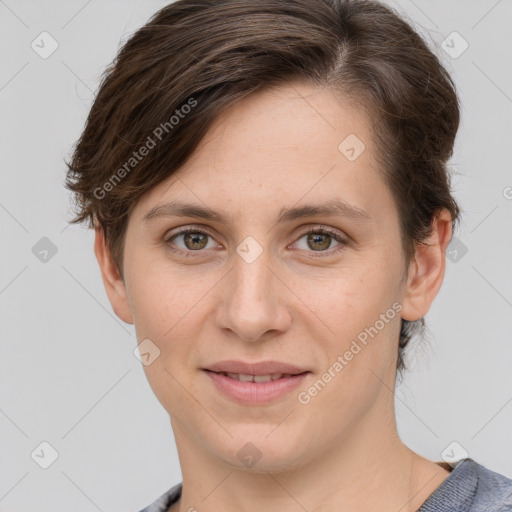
(255,393)
(256,368)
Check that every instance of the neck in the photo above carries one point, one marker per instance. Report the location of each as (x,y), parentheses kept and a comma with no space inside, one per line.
(368,469)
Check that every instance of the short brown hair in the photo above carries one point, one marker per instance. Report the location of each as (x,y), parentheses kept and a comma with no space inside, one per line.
(210,54)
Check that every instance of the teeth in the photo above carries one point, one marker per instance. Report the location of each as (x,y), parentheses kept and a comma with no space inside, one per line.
(262,378)
(255,378)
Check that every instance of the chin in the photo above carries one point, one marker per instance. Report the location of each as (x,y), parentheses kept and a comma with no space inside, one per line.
(253,449)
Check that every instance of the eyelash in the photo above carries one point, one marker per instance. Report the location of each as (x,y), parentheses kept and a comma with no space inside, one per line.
(323,231)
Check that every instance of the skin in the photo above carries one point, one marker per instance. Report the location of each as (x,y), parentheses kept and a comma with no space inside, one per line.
(279,148)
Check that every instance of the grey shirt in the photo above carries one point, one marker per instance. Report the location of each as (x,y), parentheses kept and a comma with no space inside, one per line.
(470,487)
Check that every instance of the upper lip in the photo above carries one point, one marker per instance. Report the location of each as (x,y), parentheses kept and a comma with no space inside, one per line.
(256,368)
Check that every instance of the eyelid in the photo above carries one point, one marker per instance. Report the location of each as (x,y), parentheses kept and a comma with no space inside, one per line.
(195,228)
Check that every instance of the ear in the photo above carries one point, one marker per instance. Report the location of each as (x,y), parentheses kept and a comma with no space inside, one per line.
(426,270)
(114,284)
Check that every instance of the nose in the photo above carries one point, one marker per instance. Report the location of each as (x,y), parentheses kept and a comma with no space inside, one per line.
(253,303)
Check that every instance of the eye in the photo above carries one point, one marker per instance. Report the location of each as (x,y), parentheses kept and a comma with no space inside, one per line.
(319,240)
(194,240)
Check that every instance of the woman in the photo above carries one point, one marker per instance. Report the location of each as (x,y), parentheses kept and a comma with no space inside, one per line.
(268,184)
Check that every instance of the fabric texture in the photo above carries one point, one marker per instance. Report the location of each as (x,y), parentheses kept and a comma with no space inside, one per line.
(470,487)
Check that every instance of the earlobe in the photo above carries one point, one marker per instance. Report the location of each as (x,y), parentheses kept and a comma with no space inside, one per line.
(426,271)
(114,284)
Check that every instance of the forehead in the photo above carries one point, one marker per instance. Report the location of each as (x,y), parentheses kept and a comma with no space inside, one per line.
(276,147)
(287,122)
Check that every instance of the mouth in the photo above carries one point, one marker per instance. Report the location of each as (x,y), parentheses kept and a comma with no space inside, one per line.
(257,378)
(255,383)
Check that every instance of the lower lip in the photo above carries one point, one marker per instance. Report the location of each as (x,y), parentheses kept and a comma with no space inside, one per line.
(254,393)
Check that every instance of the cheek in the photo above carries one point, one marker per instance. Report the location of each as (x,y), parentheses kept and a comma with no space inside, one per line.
(171,310)
(360,358)
(352,299)
(362,313)
(161,296)
(168,315)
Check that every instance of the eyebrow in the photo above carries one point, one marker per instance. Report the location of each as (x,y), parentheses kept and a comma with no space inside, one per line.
(333,208)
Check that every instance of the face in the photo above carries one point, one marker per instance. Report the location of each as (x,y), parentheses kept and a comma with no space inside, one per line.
(267,279)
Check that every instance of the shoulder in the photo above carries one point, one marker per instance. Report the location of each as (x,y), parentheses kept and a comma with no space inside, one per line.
(494,491)
(471,487)
(163,503)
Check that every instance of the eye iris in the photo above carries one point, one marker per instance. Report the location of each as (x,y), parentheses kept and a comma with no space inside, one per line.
(195,239)
(317,238)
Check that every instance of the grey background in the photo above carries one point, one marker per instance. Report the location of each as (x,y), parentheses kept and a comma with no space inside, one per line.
(68,373)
